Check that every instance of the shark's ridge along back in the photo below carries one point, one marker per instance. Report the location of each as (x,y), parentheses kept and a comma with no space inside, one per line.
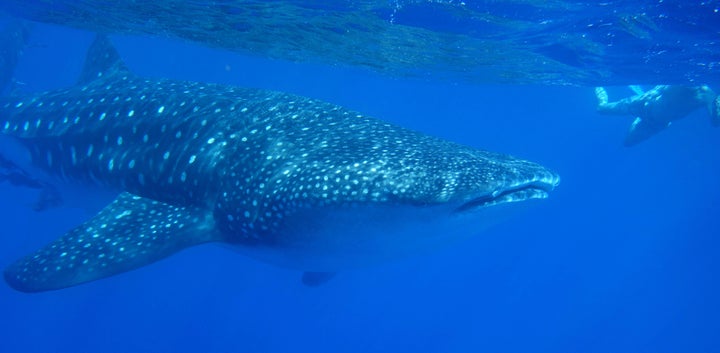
(283,178)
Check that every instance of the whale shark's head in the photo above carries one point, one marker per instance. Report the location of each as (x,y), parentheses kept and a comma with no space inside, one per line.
(463,182)
(376,191)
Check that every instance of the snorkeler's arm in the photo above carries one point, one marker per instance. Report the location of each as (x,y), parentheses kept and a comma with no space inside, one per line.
(620,107)
(601,95)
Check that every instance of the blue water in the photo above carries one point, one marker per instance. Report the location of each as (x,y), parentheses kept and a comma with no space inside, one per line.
(621,257)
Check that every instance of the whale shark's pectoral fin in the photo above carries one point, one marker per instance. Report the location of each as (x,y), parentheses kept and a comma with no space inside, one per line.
(129,233)
(314,279)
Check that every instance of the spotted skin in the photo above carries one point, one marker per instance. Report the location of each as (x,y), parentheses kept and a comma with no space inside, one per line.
(199,162)
(130,232)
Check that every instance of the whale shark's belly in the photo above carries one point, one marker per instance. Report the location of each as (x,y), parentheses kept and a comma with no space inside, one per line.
(336,239)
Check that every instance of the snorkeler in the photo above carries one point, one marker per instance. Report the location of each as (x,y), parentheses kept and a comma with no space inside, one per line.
(657,108)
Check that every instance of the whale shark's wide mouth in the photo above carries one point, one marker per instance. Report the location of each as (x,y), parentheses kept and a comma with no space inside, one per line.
(531,189)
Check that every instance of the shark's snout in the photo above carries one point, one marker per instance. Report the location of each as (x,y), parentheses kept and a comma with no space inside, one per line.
(490,179)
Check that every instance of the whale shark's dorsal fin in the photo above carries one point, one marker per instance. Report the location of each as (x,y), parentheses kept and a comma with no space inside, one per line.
(102,60)
(129,233)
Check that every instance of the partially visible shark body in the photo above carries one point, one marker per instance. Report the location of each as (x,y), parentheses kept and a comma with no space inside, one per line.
(283,178)
(13,39)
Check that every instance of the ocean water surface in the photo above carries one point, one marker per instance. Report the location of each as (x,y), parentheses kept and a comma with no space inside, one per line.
(622,257)
(483,41)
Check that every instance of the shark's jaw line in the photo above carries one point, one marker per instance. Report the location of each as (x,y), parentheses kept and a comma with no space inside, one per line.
(269,173)
(531,189)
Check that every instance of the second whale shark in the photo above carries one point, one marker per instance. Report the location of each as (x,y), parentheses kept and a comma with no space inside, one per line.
(286,179)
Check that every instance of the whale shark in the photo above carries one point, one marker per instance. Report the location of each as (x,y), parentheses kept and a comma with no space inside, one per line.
(285,179)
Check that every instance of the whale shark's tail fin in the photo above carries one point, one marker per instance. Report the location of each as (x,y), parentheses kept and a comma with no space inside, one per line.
(102,60)
(129,233)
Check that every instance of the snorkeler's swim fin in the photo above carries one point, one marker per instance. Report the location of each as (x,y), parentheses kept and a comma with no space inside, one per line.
(637,89)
